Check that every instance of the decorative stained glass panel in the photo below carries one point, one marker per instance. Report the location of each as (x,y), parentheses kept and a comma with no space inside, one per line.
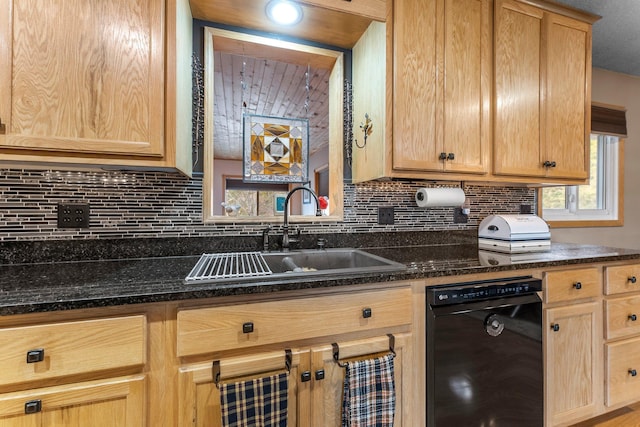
(276,149)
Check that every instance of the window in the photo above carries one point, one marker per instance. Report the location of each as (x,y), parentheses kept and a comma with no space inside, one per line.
(596,202)
(251,199)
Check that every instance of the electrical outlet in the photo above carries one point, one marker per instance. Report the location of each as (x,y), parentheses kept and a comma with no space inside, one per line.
(525,209)
(73,215)
(459,217)
(385,215)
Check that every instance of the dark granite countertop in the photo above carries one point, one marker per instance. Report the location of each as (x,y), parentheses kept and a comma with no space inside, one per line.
(66,285)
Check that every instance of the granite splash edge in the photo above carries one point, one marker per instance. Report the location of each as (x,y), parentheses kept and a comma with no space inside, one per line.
(56,250)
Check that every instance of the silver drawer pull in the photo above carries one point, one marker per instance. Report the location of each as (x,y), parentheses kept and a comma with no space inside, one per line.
(633,317)
(633,372)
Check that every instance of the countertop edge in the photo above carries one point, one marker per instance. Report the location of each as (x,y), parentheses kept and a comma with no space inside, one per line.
(156,294)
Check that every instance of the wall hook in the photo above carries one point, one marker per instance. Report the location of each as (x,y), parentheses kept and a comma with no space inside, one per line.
(367,129)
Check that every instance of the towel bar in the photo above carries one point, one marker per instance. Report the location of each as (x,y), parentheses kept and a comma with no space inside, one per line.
(358,347)
(243,366)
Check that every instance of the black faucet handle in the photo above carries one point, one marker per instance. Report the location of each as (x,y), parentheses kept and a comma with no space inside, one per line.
(265,239)
(321,243)
(294,236)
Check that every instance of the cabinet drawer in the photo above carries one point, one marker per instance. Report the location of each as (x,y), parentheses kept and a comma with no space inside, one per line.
(623,316)
(623,361)
(79,404)
(204,330)
(571,285)
(622,278)
(71,348)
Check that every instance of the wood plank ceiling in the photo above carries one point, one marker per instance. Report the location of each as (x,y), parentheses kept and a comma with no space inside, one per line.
(272,88)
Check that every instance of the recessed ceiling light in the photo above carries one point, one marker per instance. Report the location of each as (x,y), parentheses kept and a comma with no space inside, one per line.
(284,12)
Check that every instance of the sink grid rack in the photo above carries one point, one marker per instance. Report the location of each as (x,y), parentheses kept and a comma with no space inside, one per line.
(229,265)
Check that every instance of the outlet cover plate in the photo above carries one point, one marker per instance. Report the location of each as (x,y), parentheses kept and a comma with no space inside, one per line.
(73,215)
(386,215)
(459,217)
(525,209)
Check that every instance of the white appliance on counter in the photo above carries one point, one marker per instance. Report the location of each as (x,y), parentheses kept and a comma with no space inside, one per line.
(492,258)
(514,234)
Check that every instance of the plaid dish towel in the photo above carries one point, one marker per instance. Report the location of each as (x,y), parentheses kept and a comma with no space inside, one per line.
(369,393)
(261,402)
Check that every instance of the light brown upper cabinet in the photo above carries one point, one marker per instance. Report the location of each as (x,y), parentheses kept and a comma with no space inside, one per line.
(442,82)
(441,56)
(542,93)
(96,83)
(474,90)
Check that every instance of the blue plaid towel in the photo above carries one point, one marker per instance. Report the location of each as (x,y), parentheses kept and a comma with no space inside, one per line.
(261,402)
(369,393)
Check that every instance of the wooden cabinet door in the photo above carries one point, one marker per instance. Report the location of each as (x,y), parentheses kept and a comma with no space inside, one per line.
(518,55)
(199,398)
(466,85)
(416,145)
(326,393)
(622,364)
(567,97)
(106,403)
(82,77)
(442,60)
(573,362)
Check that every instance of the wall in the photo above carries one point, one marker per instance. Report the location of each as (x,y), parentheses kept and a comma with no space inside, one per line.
(621,90)
(154,204)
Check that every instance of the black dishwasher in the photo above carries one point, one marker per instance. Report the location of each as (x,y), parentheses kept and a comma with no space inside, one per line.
(484,354)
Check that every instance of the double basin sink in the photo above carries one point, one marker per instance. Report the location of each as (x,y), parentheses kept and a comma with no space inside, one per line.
(323,263)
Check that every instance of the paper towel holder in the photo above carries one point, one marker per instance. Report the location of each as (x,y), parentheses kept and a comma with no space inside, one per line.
(431,197)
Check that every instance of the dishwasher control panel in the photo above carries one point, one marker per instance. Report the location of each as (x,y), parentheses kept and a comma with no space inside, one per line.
(457,293)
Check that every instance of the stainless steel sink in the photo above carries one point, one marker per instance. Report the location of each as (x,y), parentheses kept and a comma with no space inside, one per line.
(329,261)
(223,268)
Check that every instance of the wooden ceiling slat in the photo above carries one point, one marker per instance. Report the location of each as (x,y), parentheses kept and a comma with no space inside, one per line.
(273,88)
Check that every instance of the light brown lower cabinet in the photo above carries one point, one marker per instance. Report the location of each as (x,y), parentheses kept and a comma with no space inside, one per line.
(85,372)
(199,396)
(623,366)
(326,394)
(315,382)
(117,402)
(622,348)
(572,337)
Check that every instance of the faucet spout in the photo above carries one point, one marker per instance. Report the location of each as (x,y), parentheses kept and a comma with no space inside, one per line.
(285,225)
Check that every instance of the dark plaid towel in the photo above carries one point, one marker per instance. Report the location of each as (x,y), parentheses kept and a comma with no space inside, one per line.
(256,403)
(369,393)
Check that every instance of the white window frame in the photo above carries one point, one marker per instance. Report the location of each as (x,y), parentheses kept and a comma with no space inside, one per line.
(610,194)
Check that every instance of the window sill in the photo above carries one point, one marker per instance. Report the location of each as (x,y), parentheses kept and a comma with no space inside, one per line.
(586,223)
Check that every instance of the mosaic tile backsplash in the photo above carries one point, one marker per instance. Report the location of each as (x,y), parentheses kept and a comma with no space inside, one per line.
(157,204)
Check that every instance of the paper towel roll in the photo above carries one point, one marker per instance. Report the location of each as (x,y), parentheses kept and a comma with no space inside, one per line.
(435,197)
